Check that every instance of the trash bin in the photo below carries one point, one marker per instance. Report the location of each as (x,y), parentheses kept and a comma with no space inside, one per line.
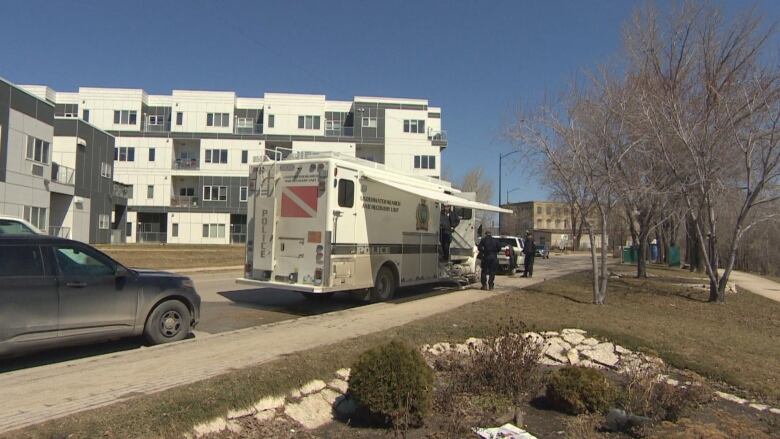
(673,256)
(654,252)
(629,255)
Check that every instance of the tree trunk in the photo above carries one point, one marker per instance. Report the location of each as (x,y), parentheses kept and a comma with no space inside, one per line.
(596,295)
(641,255)
(604,250)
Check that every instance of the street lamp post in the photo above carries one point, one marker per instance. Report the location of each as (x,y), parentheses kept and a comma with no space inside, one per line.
(500,172)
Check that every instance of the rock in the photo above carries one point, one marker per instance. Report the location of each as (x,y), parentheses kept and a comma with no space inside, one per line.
(269,403)
(265,415)
(519,416)
(589,342)
(590,364)
(533,337)
(573,356)
(759,407)
(312,412)
(233,426)
(672,382)
(547,361)
(330,396)
(461,349)
(345,407)
(311,387)
(214,426)
(556,349)
(619,420)
(440,348)
(550,334)
(775,411)
(622,351)
(602,353)
(343,374)
(339,385)
(730,397)
(474,342)
(573,338)
(573,331)
(235,414)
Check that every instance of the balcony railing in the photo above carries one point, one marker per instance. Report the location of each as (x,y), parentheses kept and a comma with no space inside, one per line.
(340,132)
(183,201)
(437,135)
(62,174)
(156,128)
(248,129)
(151,237)
(121,190)
(186,164)
(58,231)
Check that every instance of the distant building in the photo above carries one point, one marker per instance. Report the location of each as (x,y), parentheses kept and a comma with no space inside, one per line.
(548,221)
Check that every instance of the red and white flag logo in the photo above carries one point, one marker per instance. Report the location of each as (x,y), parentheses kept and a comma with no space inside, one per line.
(299,201)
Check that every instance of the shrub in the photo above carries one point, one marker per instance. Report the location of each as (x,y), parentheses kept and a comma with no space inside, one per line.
(577,390)
(505,363)
(393,383)
(643,394)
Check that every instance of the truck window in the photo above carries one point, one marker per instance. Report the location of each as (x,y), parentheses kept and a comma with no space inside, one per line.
(346,193)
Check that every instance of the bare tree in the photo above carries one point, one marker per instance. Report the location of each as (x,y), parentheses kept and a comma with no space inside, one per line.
(712,111)
(475,181)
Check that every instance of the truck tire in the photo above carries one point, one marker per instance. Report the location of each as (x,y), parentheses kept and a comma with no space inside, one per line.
(168,322)
(384,285)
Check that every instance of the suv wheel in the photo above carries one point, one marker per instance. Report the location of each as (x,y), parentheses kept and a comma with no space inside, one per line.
(168,322)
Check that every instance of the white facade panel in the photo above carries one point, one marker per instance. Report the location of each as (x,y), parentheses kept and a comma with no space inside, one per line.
(189,228)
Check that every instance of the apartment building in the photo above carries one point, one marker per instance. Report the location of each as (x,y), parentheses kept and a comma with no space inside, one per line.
(548,221)
(185,156)
(56,170)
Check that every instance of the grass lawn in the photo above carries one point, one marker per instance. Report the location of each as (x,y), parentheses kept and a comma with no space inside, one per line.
(176,256)
(736,343)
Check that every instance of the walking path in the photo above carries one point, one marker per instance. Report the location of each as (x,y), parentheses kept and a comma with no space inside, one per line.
(757,284)
(38,394)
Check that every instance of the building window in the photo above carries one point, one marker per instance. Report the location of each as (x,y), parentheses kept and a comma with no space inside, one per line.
(105,169)
(37,150)
(103,221)
(425,162)
(369,122)
(175,230)
(156,119)
(244,156)
(216,156)
(218,119)
(215,193)
(36,216)
(125,117)
(539,210)
(124,154)
(129,229)
(548,210)
(150,191)
(85,115)
(414,126)
(187,192)
(346,193)
(179,118)
(539,223)
(242,193)
(151,154)
(309,122)
(245,122)
(213,230)
(270,121)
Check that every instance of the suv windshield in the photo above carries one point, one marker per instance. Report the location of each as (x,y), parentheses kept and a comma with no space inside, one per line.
(11,227)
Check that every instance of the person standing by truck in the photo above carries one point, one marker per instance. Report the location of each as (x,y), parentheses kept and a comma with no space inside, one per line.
(447,223)
(529,250)
(488,254)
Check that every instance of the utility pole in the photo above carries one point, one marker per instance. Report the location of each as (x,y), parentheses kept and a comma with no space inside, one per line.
(500,172)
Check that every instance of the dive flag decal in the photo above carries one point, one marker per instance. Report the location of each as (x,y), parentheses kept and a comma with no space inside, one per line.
(299,201)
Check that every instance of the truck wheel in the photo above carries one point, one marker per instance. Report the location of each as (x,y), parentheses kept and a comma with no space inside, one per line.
(318,296)
(168,322)
(384,285)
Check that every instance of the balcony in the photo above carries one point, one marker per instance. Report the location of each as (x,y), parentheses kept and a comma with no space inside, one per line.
(241,128)
(340,132)
(437,137)
(60,232)
(185,164)
(62,174)
(184,201)
(121,190)
(156,128)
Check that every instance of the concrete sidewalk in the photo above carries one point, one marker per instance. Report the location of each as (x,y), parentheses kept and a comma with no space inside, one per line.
(757,285)
(42,393)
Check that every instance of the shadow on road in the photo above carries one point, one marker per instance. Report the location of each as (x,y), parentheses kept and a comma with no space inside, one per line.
(68,353)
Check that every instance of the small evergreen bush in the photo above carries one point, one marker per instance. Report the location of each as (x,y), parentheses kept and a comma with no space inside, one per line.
(578,390)
(393,383)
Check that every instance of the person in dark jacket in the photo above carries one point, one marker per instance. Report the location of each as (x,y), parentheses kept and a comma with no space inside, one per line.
(447,223)
(529,250)
(488,253)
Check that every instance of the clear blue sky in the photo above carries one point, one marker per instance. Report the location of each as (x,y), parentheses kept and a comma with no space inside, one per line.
(477,60)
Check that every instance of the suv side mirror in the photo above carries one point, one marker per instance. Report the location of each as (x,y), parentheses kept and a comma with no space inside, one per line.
(122,271)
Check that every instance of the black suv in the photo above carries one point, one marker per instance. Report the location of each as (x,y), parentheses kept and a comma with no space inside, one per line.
(56,291)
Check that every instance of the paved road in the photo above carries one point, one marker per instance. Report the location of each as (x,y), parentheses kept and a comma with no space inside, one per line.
(37,394)
(757,285)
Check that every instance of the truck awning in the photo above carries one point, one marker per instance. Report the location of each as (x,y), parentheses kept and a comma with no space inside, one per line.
(437,195)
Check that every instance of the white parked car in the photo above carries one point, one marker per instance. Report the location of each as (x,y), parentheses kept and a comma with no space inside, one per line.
(16,226)
(510,258)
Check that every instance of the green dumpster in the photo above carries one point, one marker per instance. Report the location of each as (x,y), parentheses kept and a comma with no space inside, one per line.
(673,256)
(629,255)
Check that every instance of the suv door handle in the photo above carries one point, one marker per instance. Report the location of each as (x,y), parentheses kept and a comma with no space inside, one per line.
(76,284)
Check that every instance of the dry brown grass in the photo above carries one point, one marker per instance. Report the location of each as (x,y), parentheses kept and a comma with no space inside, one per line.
(176,256)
